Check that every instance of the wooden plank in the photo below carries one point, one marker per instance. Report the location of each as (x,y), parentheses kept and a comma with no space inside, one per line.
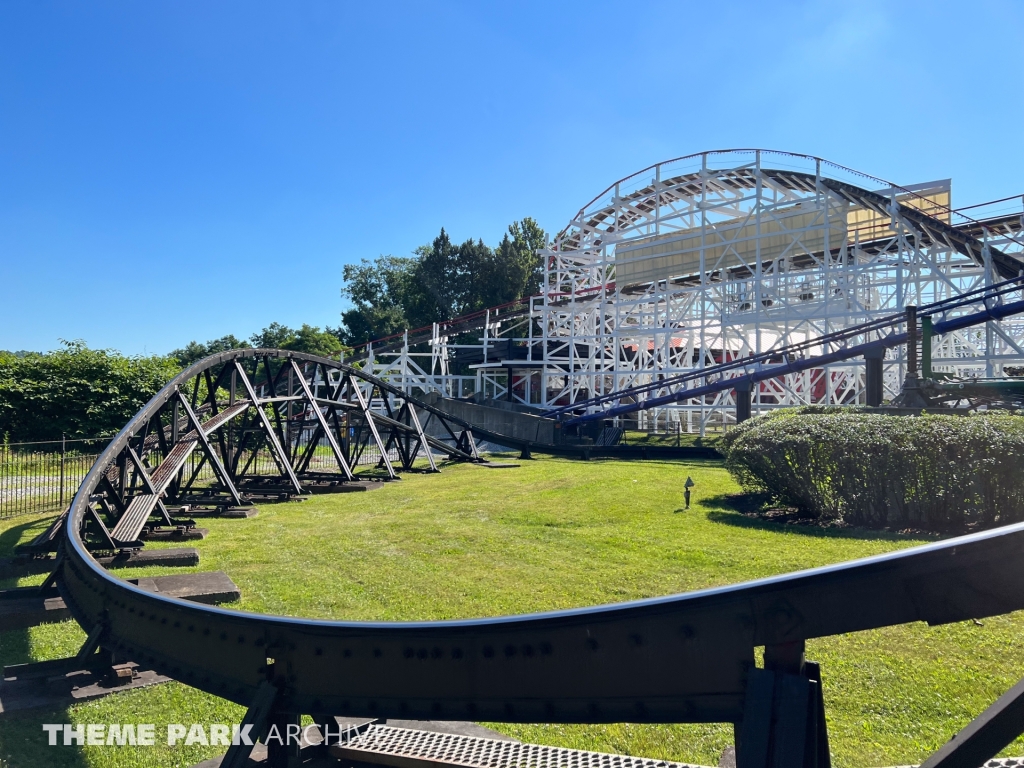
(25,607)
(47,540)
(223,511)
(183,556)
(173,461)
(134,519)
(210,587)
(131,523)
(56,687)
(178,533)
(217,421)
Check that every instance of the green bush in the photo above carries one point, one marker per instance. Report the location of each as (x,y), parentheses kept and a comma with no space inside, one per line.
(75,391)
(935,472)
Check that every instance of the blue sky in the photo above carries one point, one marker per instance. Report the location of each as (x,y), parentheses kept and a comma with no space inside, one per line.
(181,170)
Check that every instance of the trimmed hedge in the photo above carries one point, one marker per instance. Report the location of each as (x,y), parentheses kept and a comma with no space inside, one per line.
(75,391)
(933,472)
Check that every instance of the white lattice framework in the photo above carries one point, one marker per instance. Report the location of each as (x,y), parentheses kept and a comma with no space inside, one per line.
(725,254)
(720,255)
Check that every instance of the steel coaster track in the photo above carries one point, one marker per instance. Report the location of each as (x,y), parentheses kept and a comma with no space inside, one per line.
(682,658)
(793,353)
(154,466)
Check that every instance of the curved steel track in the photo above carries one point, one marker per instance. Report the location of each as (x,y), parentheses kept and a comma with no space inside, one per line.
(680,658)
(272,423)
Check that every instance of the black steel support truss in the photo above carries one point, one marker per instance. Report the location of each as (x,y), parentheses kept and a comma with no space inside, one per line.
(682,658)
(227,413)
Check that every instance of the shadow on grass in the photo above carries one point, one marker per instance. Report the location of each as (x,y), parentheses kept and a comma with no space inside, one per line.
(23,742)
(14,647)
(681,461)
(738,510)
(11,537)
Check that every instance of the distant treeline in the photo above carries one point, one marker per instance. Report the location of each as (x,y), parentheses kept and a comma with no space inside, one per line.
(308,338)
(77,392)
(80,392)
(440,281)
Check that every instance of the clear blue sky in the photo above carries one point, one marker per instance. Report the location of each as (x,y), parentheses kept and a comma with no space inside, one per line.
(182,170)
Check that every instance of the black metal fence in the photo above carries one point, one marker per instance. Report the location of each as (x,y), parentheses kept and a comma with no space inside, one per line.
(43,477)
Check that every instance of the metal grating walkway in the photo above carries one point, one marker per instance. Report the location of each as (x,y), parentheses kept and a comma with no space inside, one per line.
(405,748)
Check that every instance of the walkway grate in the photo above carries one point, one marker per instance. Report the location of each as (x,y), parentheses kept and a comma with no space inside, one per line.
(406,748)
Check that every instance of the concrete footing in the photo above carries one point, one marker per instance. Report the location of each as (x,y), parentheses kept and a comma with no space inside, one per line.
(228,512)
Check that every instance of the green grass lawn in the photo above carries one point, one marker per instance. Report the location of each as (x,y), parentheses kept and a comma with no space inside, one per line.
(551,534)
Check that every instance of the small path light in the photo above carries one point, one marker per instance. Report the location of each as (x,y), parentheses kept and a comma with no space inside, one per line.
(686,492)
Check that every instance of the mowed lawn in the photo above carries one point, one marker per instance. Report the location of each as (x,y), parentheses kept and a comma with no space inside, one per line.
(550,534)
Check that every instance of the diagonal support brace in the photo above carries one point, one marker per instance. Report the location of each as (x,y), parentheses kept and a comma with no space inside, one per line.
(254,723)
(364,406)
(151,489)
(322,420)
(275,444)
(986,735)
(211,455)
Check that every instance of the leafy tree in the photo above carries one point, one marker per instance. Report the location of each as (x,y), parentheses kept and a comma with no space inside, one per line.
(515,269)
(195,351)
(443,277)
(76,391)
(362,324)
(382,292)
(274,336)
(308,338)
(441,281)
(313,341)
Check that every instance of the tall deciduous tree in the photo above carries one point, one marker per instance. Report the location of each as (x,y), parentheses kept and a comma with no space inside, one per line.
(308,339)
(443,280)
(382,294)
(313,341)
